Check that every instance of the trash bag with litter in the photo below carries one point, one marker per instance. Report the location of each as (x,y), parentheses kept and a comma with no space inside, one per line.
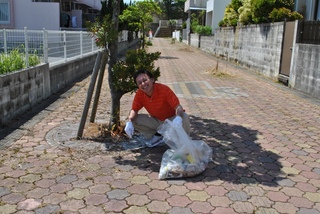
(186,157)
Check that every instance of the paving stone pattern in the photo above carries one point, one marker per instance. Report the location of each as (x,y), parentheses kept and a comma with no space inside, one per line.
(265,139)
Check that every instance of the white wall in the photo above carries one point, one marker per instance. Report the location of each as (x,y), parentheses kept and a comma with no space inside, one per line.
(215,12)
(210,4)
(209,20)
(36,15)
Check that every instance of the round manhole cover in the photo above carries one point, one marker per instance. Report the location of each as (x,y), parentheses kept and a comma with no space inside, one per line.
(66,136)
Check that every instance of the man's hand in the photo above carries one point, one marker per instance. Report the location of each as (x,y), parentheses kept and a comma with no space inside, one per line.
(129,129)
(177,121)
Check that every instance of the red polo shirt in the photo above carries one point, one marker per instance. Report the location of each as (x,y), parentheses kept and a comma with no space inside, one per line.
(160,105)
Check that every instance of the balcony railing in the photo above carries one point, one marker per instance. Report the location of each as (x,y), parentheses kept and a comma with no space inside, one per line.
(195,5)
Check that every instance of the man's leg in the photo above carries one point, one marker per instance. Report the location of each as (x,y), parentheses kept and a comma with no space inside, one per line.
(146,125)
(186,123)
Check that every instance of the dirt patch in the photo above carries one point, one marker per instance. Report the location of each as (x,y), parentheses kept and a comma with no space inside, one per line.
(186,49)
(219,71)
(100,132)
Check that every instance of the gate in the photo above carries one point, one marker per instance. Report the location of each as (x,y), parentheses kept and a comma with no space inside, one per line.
(286,52)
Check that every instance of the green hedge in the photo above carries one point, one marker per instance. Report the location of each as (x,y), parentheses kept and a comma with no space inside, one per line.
(14,61)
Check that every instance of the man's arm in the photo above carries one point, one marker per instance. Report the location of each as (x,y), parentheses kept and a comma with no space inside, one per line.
(179,110)
(132,115)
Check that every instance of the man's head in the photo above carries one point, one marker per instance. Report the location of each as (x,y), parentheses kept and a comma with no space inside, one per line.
(144,80)
(142,71)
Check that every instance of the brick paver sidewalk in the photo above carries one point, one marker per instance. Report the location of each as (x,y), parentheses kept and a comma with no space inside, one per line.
(265,139)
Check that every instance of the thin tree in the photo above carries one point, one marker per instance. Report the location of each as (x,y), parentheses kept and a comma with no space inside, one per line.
(120,73)
(139,15)
(115,94)
(173,9)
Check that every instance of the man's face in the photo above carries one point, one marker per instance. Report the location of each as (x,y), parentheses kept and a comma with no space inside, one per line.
(145,83)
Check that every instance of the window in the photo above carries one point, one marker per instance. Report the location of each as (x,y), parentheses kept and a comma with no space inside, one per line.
(317,11)
(66,6)
(5,12)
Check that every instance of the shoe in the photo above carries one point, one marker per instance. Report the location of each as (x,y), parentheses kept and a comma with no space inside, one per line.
(155,141)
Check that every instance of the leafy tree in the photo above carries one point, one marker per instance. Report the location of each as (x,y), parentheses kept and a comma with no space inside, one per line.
(194,21)
(172,24)
(139,15)
(203,30)
(236,4)
(106,31)
(197,18)
(284,3)
(245,12)
(283,10)
(261,9)
(258,11)
(107,9)
(173,9)
(231,14)
(123,71)
(279,14)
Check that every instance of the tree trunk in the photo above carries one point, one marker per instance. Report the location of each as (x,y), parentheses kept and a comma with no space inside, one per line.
(115,109)
(113,47)
(143,36)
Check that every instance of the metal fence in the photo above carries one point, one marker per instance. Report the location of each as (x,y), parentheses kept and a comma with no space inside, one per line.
(308,32)
(51,47)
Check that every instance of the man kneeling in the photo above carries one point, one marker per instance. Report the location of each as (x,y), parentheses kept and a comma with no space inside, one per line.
(160,102)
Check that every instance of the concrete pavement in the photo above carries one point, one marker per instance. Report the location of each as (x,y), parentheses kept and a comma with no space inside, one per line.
(265,139)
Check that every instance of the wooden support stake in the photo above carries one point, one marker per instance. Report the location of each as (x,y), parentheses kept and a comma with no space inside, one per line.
(89,95)
(99,86)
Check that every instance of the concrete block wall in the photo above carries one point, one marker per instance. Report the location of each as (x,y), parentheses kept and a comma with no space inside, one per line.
(21,90)
(305,69)
(207,44)
(194,40)
(257,47)
(63,74)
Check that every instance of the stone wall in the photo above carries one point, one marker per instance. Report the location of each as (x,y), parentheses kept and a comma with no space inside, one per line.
(257,47)
(63,74)
(21,90)
(194,40)
(305,69)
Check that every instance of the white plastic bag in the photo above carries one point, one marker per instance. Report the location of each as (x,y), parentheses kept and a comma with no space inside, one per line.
(186,157)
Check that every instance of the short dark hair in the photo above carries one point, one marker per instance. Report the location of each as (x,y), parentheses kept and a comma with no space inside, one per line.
(142,71)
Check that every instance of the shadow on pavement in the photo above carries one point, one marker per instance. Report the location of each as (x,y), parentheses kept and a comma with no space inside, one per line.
(237,156)
(20,125)
(168,57)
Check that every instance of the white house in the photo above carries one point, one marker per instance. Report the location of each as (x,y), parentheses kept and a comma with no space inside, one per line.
(215,12)
(48,14)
